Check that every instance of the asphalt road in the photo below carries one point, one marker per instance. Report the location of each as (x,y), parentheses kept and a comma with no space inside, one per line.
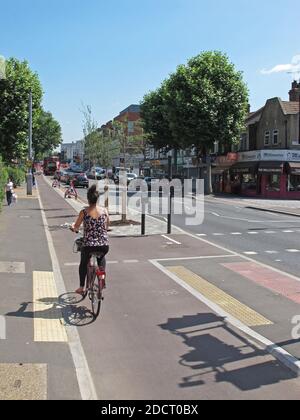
(154,339)
(268,238)
(273,239)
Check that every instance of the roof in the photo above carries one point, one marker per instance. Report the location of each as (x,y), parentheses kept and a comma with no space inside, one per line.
(131,108)
(255,114)
(290,107)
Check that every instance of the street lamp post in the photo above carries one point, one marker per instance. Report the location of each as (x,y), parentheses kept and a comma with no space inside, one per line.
(29,172)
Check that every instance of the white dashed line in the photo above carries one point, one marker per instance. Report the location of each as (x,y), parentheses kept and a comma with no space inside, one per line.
(293,251)
(252,233)
(236,233)
(269,232)
(171,240)
(218,234)
(130,261)
(201,234)
(271,252)
(288,231)
(250,253)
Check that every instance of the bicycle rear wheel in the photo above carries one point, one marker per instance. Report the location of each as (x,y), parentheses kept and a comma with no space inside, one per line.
(96,299)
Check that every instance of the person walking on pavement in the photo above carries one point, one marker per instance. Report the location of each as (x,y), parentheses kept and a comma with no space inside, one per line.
(95,220)
(9,189)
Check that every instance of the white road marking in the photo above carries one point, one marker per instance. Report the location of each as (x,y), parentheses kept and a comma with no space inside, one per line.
(112,262)
(71,264)
(209,257)
(288,231)
(201,234)
(218,234)
(250,253)
(272,252)
(130,261)
(252,233)
(85,380)
(269,232)
(2,327)
(216,214)
(236,233)
(278,352)
(171,240)
(293,251)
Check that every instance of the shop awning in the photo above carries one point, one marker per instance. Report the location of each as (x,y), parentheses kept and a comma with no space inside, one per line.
(271,167)
(244,168)
(294,168)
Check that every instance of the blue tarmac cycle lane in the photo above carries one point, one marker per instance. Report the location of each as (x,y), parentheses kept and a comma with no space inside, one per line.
(32,365)
(154,338)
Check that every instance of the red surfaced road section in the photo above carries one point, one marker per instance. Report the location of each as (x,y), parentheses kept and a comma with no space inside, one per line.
(268,278)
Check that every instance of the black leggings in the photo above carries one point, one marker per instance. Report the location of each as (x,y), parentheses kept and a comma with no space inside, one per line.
(86,255)
(9,197)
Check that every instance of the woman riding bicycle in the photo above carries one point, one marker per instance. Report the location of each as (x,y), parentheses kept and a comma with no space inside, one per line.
(95,220)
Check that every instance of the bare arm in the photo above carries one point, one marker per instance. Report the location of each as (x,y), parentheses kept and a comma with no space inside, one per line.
(107,219)
(76,226)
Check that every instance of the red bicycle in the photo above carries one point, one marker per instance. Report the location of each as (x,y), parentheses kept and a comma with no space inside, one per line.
(95,280)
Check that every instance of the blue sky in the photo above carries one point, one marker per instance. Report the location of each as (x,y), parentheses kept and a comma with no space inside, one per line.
(108,54)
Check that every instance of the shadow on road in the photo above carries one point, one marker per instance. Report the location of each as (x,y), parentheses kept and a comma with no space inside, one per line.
(232,361)
(63,308)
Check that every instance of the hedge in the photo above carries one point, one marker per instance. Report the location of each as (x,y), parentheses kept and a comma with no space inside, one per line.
(17,175)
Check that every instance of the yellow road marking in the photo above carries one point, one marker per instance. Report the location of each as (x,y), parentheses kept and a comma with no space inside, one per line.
(229,304)
(48,323)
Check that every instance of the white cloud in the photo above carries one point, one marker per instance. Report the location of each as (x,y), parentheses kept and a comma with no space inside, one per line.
(293,67)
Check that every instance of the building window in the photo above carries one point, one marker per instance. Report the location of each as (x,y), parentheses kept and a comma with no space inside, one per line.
(130,127)
(273,183)
(267,138)
(275,137)
(293,183)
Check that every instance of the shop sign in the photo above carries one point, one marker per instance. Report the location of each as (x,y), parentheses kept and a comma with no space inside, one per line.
(270,155)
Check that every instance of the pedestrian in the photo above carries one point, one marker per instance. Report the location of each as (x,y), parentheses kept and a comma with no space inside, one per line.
(9,188)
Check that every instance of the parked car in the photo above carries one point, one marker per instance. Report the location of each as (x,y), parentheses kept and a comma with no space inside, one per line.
(81,180)
(64,177)
(96,173)
(130,177)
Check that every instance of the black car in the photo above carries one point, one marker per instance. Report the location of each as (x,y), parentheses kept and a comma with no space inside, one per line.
(80,180)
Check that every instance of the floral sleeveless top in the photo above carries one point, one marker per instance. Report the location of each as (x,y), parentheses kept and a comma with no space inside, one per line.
(95,232)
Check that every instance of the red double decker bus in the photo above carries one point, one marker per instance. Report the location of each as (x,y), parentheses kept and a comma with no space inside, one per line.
(51,165)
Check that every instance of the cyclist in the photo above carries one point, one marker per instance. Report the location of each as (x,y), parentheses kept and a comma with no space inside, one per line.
(95,220)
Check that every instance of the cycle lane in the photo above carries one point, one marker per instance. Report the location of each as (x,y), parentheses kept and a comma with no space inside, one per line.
(35,361)
(153,338)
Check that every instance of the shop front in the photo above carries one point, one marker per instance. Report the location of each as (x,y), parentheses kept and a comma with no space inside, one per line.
(221,181)
(244,179)
(267,174)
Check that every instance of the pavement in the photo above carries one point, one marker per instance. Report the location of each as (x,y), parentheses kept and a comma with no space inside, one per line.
(183,318)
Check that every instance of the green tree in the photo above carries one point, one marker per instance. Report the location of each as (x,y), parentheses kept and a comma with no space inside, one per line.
(155,120)
(15,88)
(47,136)
(202,102)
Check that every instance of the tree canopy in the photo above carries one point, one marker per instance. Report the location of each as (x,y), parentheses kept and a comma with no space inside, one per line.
(202,102)
(15,89)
